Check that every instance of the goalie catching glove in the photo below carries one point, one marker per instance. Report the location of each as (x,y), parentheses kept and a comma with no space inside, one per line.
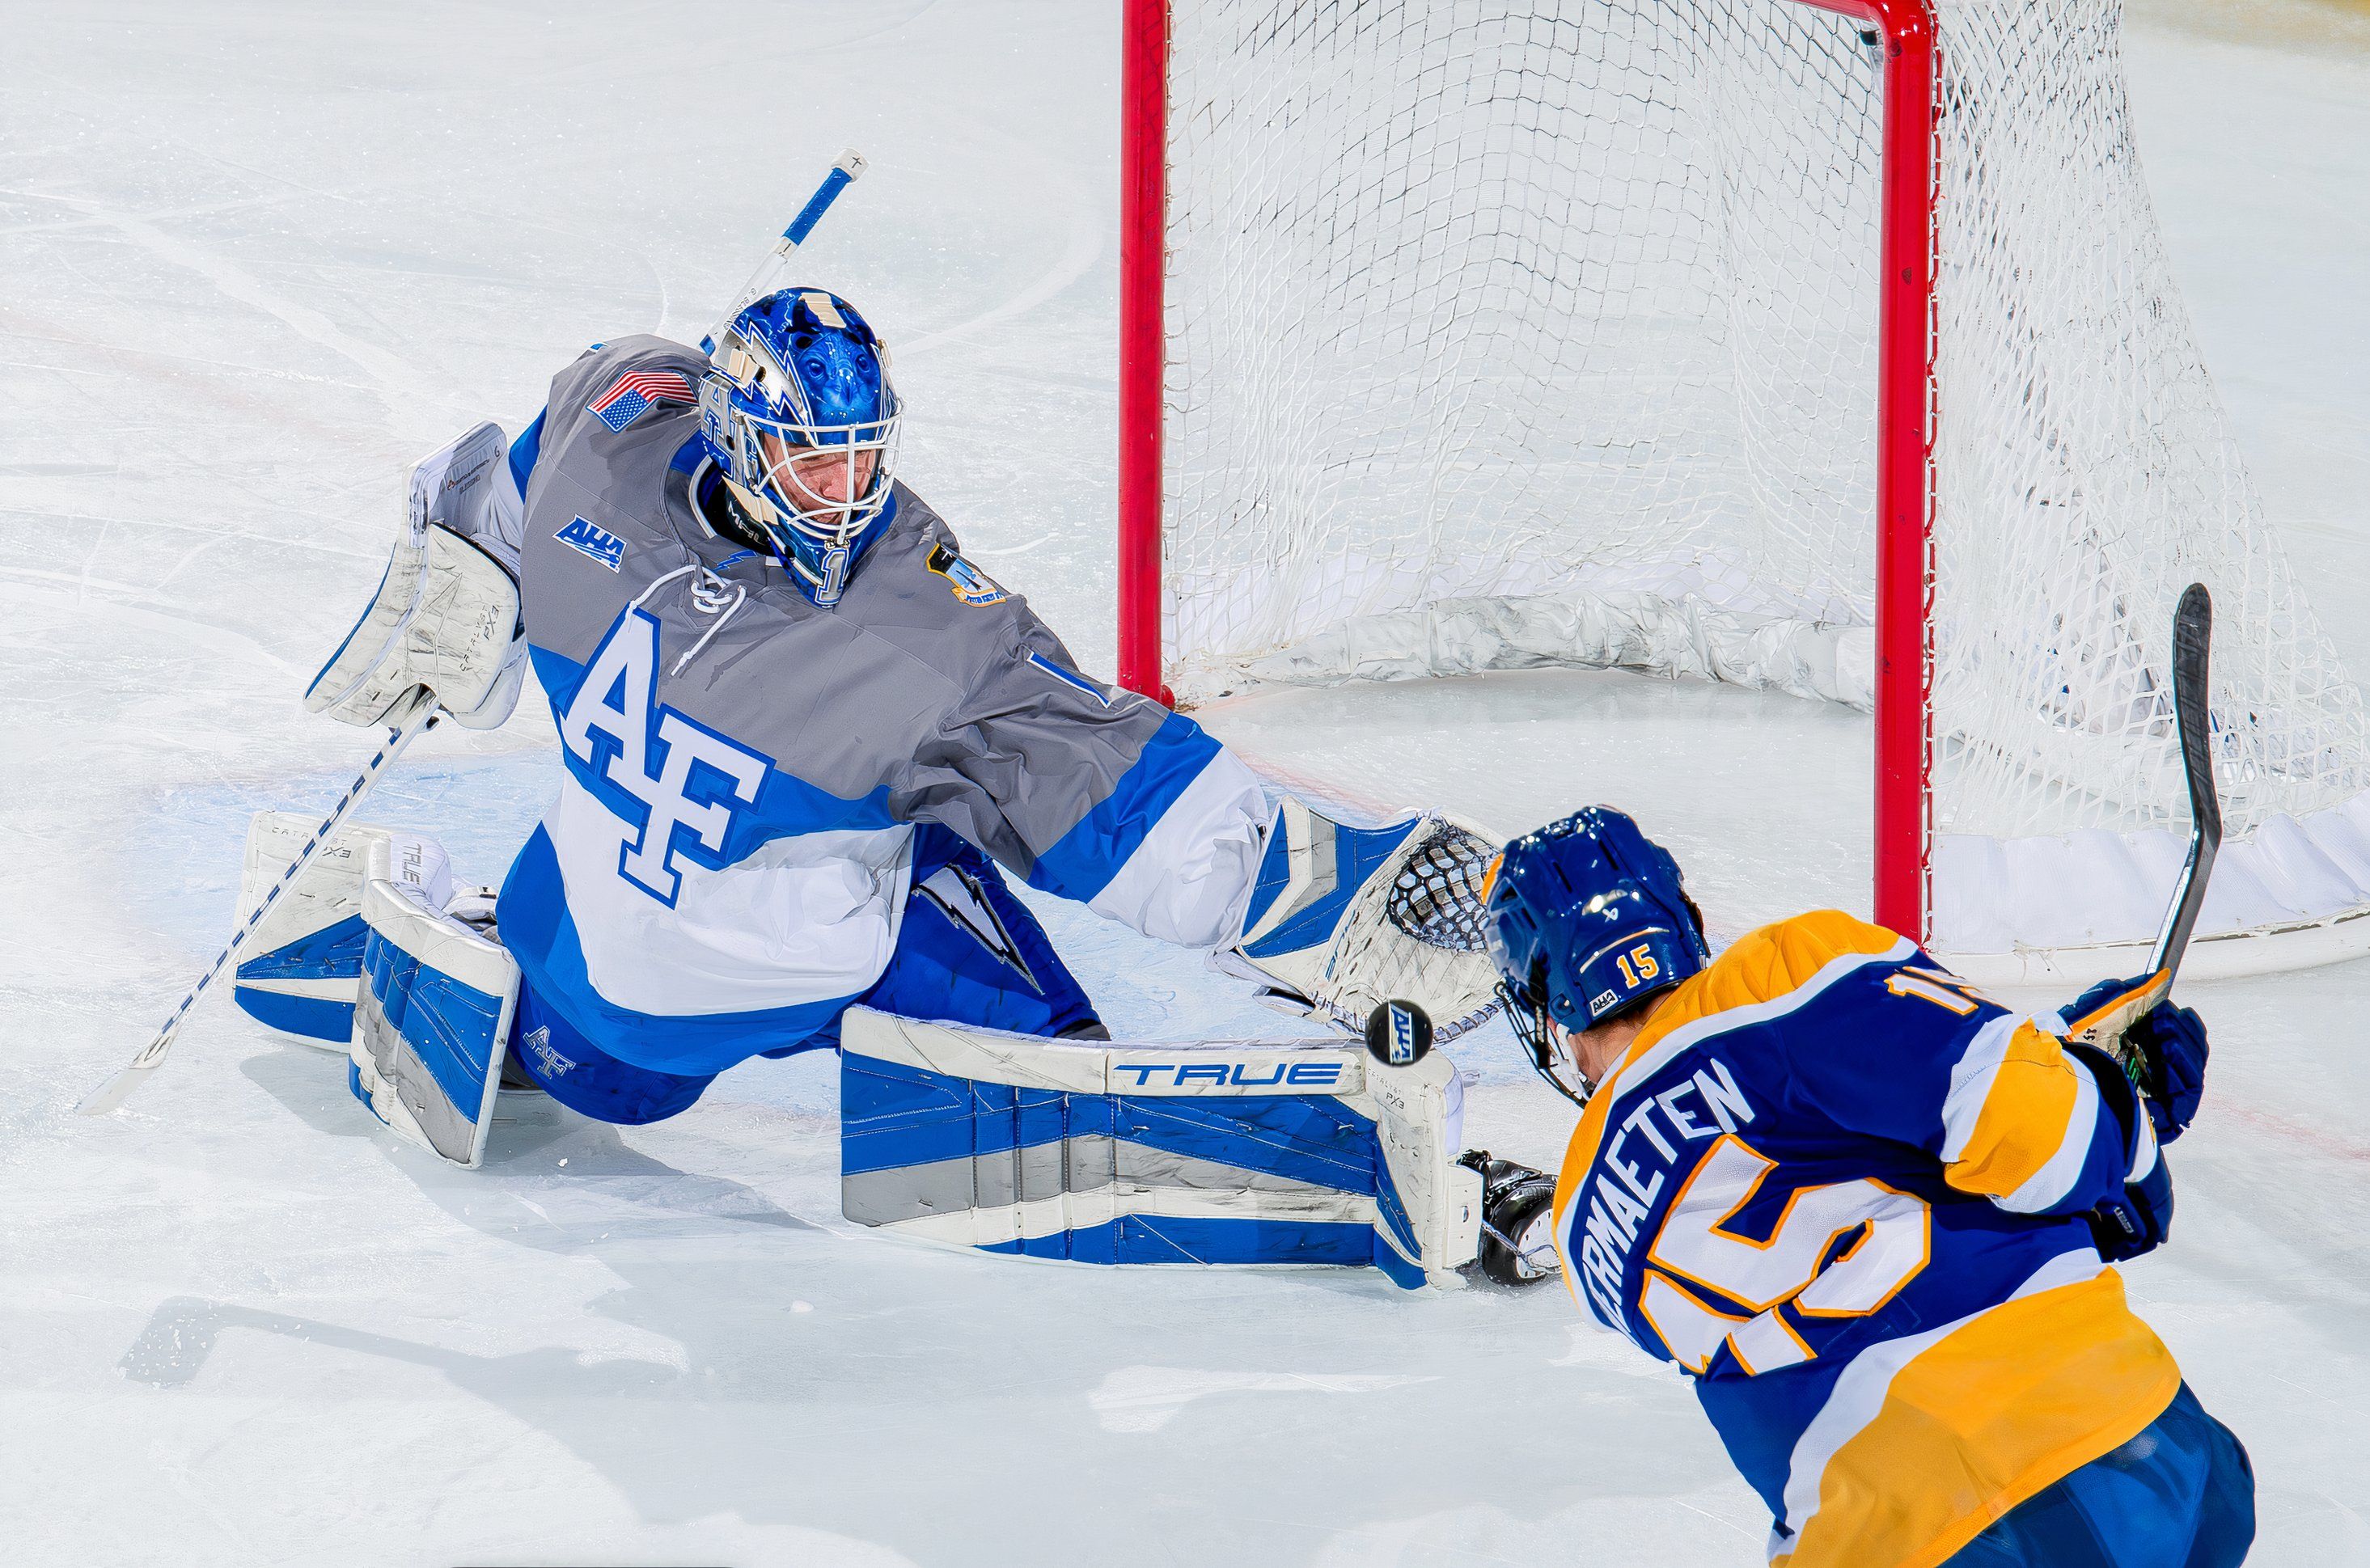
(1342,919)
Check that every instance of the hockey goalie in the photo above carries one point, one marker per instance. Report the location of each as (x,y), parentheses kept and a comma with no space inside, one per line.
(806,742)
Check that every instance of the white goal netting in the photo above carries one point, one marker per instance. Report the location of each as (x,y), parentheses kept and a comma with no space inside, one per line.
(1504,335)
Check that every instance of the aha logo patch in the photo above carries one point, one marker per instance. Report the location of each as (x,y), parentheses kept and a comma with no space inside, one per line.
(970,584)
(588,539)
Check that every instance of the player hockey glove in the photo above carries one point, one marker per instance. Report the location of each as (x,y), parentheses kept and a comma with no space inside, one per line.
(2141,1219)
(2170,1041)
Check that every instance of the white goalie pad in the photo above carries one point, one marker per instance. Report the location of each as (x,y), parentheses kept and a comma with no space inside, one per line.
(446,613)
(305,960)
(1342,919)
(430,1025)
(1248,1152)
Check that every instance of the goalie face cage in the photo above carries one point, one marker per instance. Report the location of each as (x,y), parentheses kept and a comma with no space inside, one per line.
(1821,344)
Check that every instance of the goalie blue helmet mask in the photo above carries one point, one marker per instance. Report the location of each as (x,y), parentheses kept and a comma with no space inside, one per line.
(797,413)
(1585,919)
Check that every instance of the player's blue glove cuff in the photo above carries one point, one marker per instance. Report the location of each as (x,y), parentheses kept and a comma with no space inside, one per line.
(2141,1218)
(2137,1219)
(2172,1042)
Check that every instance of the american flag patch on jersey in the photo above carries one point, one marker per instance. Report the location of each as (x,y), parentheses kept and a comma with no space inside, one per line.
(632,395)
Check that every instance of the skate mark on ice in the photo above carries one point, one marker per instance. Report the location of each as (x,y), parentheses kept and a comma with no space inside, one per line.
(1082,248)
(173,1349)
(1146,1399)
(392,373)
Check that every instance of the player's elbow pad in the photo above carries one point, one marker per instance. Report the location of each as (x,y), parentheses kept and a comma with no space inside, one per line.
(2041,1150)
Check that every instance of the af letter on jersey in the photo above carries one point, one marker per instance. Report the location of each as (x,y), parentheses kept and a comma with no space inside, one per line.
(688,780)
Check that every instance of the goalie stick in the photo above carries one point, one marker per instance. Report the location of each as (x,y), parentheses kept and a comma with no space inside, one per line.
(417,713)
(773,272)
(2106,1024)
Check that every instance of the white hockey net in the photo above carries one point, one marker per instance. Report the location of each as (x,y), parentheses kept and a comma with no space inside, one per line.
(1506,334)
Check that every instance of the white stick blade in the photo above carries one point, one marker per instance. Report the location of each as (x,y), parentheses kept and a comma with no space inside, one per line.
(114,1091)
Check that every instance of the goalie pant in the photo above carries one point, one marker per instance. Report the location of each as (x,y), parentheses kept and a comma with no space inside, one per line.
(729,863)
(1847,1194)
(968,952)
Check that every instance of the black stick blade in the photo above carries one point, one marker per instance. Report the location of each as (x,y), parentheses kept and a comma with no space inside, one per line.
(2193,646)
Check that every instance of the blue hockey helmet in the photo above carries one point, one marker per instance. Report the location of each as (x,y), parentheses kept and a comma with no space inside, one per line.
(797,411)
(1585,919)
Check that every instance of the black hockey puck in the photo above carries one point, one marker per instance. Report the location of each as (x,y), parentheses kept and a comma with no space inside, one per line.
(1399,1034)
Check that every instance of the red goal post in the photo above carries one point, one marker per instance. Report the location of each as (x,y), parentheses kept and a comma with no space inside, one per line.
(1820,346)
(1904,748)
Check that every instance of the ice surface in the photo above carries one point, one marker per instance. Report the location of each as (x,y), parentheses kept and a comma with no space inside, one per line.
(258,259)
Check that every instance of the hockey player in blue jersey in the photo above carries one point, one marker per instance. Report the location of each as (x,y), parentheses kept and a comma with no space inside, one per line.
(805,742)
(1873,1214)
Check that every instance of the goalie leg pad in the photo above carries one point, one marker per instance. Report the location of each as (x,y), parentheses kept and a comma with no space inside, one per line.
(306,954)
(432,1024)
(1265,1153)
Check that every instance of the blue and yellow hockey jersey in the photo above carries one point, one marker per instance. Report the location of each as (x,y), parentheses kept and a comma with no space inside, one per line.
(1845,1191)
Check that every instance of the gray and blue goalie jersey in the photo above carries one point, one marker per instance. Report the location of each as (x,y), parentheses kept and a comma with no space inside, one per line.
(729,859)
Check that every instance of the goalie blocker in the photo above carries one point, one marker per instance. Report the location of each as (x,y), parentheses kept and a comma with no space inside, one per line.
(1279,1153)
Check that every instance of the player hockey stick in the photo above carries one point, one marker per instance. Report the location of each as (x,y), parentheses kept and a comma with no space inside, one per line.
(416,712)
(773,272)
(2192,637)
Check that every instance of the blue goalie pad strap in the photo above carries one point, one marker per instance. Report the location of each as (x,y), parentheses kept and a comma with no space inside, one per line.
(316,1018)
(1160,1239)
(305,987)
(334,951)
